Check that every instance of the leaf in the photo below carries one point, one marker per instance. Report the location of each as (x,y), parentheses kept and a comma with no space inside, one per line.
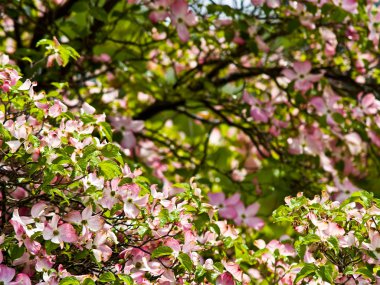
(185,260)
(25,58)
(15,252)
(201,222)
(88,281)
(366,272)
(126,279)
(110,151)
(44,42)
(162,251)
(106,131)
(307,270)
(326,273)
(110,169)
(281,214)
(80,6)
(334,243)
(69,281)
(107,277)
(99,14)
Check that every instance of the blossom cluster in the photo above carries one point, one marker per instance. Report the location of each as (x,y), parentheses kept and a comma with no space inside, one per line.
(74,211)
(337,242)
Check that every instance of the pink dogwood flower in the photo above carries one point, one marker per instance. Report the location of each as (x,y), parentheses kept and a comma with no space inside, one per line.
(348,5)
(226,206)
(225,279)
(300,73)
(86,219)
(234,269)
(182,17)
(132,204)
(6,274)
(59,234)
(128,127)
(160,10)
(247,216)
(374,245)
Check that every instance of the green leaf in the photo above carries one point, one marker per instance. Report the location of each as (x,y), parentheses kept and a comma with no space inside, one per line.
(110,169)
(307,270)
(334,243)
(44,42)
(201,222)
(25,58)
(88,281)
(185,260)
(110,150)
(80,6)
(106,131)
(326,273)
(107,277)
(126,279)
(69,281)
(366,272)
(99,14)
(281,214)
(15,252)
(162,251)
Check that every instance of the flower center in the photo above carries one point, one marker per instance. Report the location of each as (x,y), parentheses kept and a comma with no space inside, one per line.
(138,265)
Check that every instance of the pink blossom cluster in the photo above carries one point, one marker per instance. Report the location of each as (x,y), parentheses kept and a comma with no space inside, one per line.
(334,235)
(233,208)
(178,12)
(74,210)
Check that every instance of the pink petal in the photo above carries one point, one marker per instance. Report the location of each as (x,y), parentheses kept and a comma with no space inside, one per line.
(313,77)
(255,223)
(374,138)
(136,126)
(106,252)
(252,209)
(302,67)
(129,140)
(225,279)
(289,73)
(48,232)
(368,100)
(259,115)
(183,32)
(26,85)
(130,210)
(73,217)
(157,16)
(319,104)
(6,273)
(303,85)
(350,6)
(257,2)
(216,199)
(14,145)
(273,3)
(228,213)
(88,109)
(38,209)
(87,213)
(174,244)
(21,279)
(233,200)
(179,8)
(67,233)
(234,269)
(95,223)
(190,19)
